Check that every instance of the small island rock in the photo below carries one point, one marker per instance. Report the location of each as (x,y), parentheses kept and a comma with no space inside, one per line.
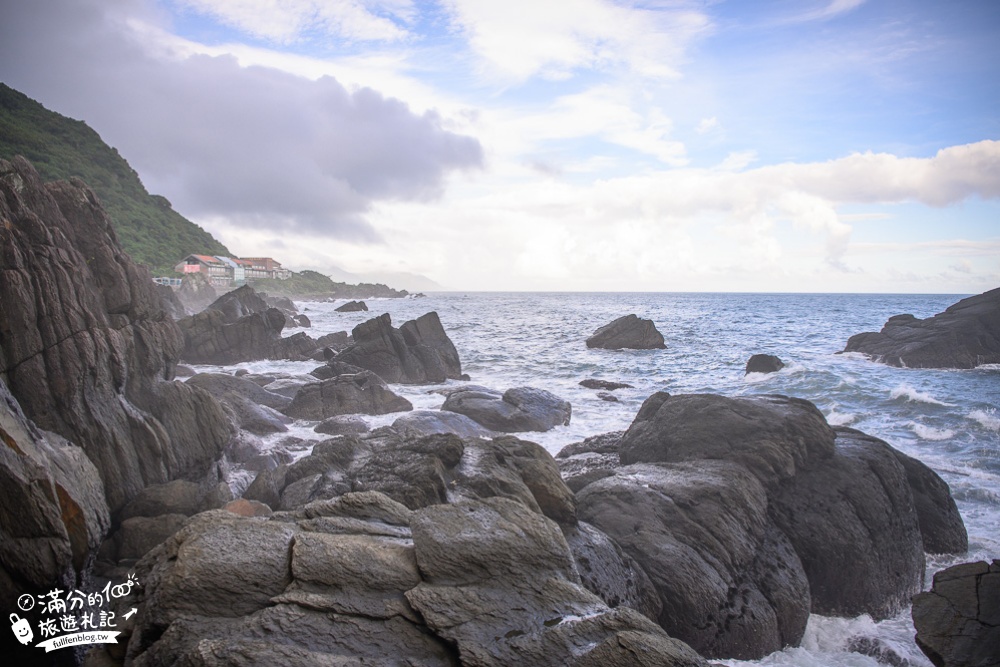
(627,332)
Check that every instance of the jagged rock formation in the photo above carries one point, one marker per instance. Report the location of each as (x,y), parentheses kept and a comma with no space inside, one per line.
(958,620)
(418,352)
(513,411)
(240,326)
(965,335)
(85,346)
(627,332)
(748,514)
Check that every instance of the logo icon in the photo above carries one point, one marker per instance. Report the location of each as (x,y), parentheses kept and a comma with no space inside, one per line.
(21,628)
(26,602)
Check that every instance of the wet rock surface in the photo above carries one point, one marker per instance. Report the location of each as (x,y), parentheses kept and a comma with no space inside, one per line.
(748,514)
(515,410)
(958,620)
(965,335)
(362,579)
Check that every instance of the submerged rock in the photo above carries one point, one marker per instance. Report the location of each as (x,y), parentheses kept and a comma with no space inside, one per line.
(418,352)
(965,335)
(591,383)
(958,620)
(516,410)
(627,332)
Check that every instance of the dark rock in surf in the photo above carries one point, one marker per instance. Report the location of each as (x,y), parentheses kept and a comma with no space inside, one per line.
(958,620)
(352,307)
(940,523)
(965,335)
(764,363)
(359,393)
(418,352)
(750,513)
(516,410)
(627,332)
(591,383)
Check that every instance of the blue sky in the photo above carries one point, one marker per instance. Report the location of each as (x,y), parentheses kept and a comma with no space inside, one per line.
(808,145)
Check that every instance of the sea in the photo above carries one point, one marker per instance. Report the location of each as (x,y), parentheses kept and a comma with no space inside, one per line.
(949,419)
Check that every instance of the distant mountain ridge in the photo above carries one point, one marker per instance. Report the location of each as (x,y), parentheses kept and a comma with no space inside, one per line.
(61,148)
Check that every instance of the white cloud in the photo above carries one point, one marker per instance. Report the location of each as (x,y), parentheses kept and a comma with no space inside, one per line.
(706,125)
(519,39)
(287,21)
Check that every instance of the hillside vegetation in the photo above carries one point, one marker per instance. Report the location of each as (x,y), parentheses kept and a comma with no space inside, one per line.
(60,147)
(313,285)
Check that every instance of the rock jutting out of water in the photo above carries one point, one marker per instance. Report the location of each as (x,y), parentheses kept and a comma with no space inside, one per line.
(418,352)
(965,335)
(764,363)
(352,307)
(630,332)
(749,514)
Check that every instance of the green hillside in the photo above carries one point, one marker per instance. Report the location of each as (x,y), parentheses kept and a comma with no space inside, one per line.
(59,147)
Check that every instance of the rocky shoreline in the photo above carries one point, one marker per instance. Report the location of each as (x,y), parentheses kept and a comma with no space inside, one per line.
(711,528)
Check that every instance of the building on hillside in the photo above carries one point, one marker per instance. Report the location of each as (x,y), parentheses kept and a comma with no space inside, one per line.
(266,267)
(226,271)
(218,272)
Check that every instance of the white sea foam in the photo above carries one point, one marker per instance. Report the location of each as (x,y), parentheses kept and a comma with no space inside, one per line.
(834,418)
(925,432)
(987,418)
(908,392)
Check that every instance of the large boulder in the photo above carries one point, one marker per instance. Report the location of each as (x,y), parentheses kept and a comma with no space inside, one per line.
(418,352)
(419,472)
(965,335)
(357,393)
(958,620)
(750,513)
(627,332)
(85,346)
(361,579)
(239,303)
(516,410)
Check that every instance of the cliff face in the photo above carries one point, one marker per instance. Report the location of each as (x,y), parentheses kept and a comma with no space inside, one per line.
(85,346)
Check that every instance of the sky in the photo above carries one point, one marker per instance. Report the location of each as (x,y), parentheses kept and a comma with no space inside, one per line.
(553,145)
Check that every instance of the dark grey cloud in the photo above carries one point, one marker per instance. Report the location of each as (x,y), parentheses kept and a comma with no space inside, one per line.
(260,146)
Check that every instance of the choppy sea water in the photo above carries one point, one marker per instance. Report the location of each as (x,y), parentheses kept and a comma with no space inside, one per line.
(948,419)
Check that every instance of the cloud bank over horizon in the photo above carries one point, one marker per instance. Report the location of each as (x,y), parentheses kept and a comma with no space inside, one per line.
(835,145)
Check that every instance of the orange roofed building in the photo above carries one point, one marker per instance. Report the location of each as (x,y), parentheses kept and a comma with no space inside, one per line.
(225,271)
